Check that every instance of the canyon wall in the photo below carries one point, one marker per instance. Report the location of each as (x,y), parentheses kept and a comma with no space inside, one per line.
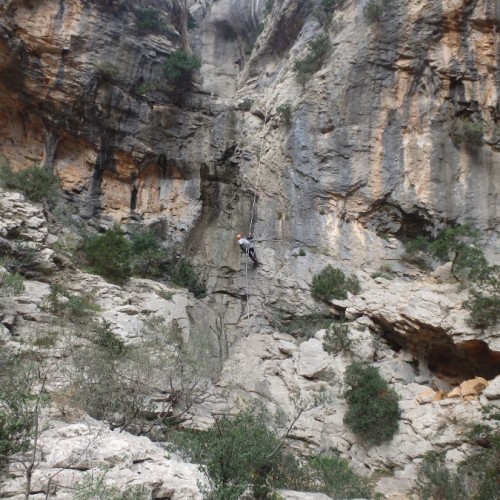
(396,135)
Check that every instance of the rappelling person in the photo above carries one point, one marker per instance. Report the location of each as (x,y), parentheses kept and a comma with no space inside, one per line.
(247,247)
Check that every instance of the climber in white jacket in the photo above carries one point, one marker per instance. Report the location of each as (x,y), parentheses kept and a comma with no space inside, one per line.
(247,247)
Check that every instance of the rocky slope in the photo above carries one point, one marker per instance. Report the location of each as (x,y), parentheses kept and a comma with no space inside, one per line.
(371,156)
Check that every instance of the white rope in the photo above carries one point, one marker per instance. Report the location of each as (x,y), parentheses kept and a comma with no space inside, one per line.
(252,210)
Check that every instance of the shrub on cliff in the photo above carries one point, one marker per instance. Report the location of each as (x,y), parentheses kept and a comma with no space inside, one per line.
(109,254)
(373,409)
(150,21)
(236,452)
(331,283)
(475,477)
(37,184)
(178,69)
(317,52)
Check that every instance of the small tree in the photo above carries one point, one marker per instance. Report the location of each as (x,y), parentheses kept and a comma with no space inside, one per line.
(236,452)
(109,254)
(137,386)
(317,52)
(23,381)
(178,69)
(37,184)
(331,283)
(373,409)
(150,21)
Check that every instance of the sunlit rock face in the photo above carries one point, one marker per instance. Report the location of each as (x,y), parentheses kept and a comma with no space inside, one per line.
(371,146)
(395,135)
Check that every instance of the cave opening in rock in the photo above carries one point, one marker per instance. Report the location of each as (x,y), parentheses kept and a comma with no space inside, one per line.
(451,362)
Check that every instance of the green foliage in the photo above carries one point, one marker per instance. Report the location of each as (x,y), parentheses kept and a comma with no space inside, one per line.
(317,52)
(457,243)
(109,254)
(11,284)
(72,307)
(338,480)
(94,487)
(146,88)
(436,481)
(476,477)
(285,111)
(164,294)
(151,21)
(22,260)
(37,184)
(158,362)
(373,409)
(483,303)
(21,398)
(384,271)
(375,9)
(148,259)
(183,274)
(331,283)
(236,452)
(465,131)
(108,340)
(469,265)
(337,338)
(178,69)
(106,72)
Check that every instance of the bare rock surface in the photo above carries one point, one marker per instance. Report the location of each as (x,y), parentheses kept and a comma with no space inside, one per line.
(72,452)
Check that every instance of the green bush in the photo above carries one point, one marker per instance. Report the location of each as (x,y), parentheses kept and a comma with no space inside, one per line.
(236,453)
(178,69)
(375,9)
(483,303)
(23,260)
(11,284)
(151,21)
(18,404)
(37,184)
(331,283)
(457,243)
(436,481)
(109,254)
(148,259)
(373,409)
(285,111)
(72,307)
(317,52)
(183,274)
(337,338)
(465,131)
(338,480)
(303,326)
(245,104)
(108,340)
(475,477)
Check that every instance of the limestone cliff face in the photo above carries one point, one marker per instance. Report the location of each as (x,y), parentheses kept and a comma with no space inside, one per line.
(370,141)
(371,155)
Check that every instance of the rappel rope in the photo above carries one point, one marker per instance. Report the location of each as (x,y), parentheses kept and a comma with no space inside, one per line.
(252,212)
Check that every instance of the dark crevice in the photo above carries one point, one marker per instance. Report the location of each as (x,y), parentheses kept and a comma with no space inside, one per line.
(450,362)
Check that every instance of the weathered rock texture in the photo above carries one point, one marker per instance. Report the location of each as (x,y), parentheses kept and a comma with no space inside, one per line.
(369,157)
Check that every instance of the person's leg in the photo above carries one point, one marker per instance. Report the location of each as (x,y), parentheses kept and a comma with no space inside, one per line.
(252,254)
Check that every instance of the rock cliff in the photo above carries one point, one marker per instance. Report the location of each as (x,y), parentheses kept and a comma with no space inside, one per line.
(395,135)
